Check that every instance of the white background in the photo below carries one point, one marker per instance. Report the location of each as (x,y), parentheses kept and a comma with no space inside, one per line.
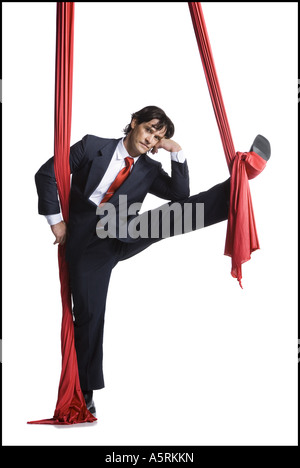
(190,358)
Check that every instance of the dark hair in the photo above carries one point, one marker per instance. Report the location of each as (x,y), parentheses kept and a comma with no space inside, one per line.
(152,112)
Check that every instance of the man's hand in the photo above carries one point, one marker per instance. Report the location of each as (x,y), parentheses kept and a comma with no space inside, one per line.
(168,145)
(60,232)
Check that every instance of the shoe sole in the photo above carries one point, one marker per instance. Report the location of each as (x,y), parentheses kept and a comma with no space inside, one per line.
(262,147)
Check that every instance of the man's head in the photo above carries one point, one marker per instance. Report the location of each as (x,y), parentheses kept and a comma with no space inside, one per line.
(147,127)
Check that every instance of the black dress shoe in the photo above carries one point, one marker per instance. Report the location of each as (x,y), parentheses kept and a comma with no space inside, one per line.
(262,147)
(88,396)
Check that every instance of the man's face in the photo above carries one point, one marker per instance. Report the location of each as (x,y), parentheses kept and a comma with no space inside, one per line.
(143,137)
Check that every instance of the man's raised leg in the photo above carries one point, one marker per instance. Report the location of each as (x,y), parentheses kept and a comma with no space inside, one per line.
(180,217)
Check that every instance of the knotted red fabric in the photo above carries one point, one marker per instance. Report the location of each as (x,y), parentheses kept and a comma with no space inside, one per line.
(241,237)
(121,177)
(70,406)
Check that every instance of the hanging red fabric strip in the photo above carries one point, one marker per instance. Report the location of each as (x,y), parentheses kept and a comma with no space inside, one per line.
(70,406)
(241,237)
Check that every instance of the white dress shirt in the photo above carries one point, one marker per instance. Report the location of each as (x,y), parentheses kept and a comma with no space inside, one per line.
(116,164)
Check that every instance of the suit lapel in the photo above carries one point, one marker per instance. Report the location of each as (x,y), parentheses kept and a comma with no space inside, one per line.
(99,166)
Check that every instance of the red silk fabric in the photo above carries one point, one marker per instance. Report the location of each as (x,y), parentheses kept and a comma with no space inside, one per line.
(241,237)
(70,406)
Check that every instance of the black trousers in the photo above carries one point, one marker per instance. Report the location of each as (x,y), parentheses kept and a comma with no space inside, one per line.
(90,277)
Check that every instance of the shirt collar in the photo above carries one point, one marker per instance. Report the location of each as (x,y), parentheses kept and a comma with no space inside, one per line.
(122,152)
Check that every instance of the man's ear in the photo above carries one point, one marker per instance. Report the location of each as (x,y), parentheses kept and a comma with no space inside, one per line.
(133,123)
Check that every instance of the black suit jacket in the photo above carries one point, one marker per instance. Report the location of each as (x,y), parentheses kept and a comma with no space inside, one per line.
(89,159)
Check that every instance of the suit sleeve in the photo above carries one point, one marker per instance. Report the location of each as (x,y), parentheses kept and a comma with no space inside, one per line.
(48,201)
(174,187)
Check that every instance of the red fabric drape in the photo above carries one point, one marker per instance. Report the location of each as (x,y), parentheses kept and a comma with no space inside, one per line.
(70,406)
(241,237)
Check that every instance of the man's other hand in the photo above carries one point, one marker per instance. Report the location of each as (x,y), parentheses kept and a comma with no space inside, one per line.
(60,232)
(168,145)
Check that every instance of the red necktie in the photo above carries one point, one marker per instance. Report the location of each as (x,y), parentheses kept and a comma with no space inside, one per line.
(122,175)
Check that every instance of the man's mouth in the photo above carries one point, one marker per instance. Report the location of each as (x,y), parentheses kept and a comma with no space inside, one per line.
(145,145)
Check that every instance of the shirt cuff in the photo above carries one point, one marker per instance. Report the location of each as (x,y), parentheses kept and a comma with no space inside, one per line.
(178,157)
(54,219)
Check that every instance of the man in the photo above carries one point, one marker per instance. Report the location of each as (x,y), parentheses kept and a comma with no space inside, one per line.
(95,164)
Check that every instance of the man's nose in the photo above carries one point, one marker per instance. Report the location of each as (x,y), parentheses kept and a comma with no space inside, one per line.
(149,139)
